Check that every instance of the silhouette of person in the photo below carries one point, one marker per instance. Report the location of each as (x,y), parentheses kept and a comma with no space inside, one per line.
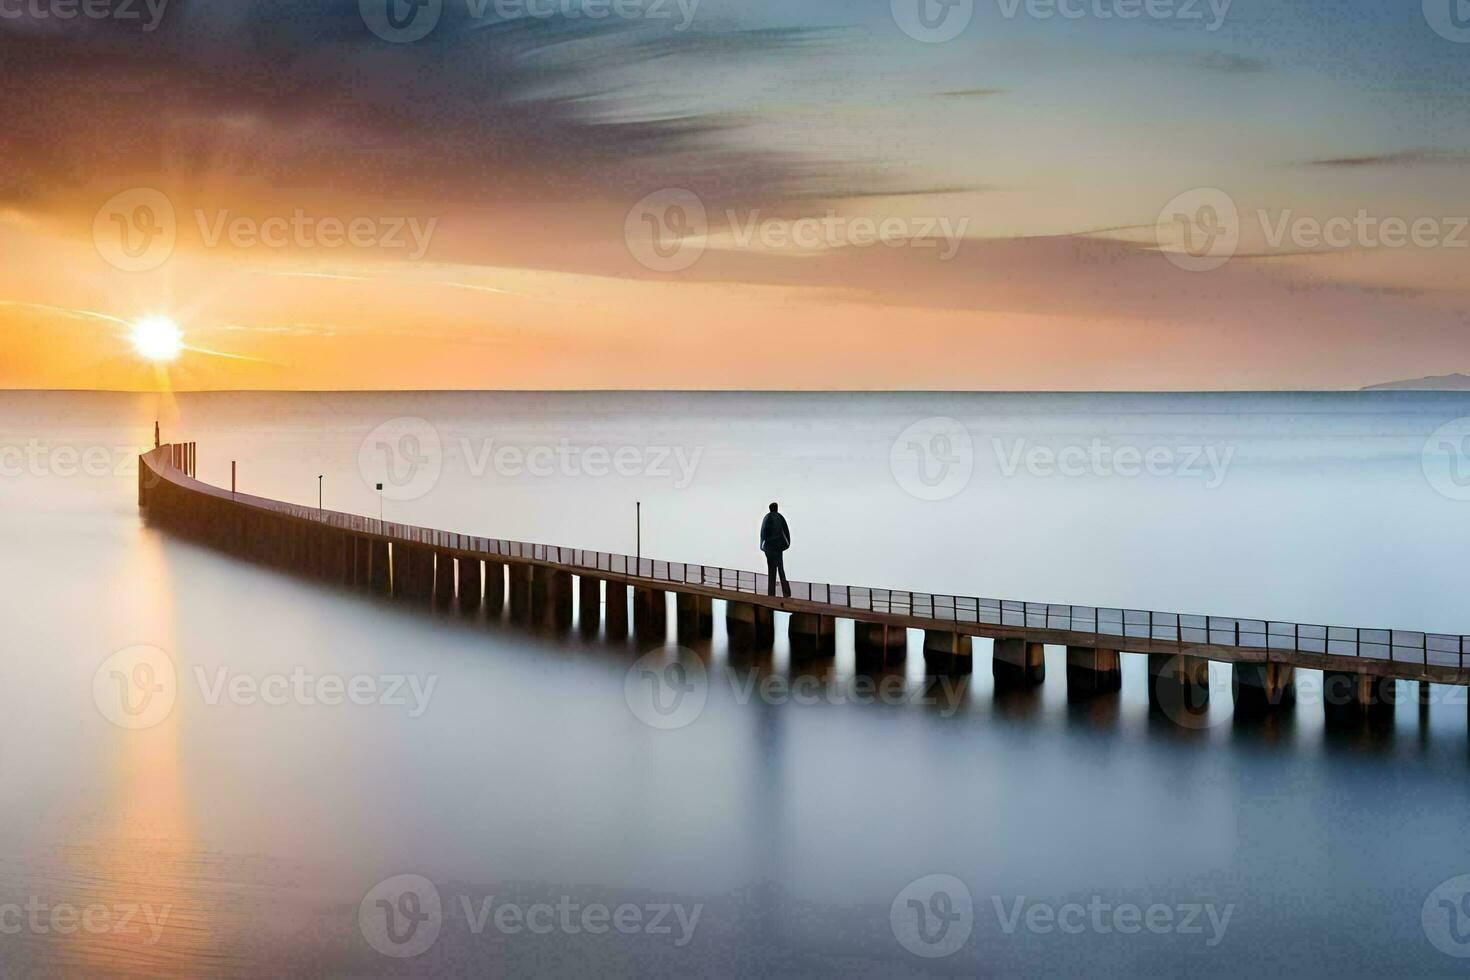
(775,539)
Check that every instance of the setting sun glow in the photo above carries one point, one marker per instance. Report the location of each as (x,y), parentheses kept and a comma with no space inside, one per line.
(157,338)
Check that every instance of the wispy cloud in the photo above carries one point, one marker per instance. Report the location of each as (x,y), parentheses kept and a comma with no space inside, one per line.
(1400,158)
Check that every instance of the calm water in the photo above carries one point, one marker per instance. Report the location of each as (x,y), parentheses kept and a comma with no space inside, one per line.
(784,822)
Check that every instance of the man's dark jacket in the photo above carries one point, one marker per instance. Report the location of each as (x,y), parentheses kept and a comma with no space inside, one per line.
(775,535)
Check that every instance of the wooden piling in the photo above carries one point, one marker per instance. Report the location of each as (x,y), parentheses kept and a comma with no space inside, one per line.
(876,645)
(1263,687)
(1092,671)
(615,611)
(1018,663)
(811,636)
(749,626)
(695,617)
(650,614)
(443,578)
(470,572)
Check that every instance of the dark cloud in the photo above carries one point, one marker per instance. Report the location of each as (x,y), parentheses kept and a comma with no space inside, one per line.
(971,93)
(1232,64)
(292,95)
(1401,158)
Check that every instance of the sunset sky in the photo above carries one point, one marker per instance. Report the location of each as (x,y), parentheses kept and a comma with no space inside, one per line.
(318,207)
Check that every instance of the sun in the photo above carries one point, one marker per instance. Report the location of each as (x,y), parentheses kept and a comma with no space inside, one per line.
(157,338)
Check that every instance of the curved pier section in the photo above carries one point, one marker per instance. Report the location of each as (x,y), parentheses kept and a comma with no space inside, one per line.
(537,582)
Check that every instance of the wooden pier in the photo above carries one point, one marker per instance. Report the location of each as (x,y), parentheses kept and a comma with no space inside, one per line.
(541,582)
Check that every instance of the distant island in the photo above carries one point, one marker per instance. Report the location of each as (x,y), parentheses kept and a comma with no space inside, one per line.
(1441,382)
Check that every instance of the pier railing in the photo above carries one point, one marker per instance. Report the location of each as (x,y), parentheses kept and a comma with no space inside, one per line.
(1108,626)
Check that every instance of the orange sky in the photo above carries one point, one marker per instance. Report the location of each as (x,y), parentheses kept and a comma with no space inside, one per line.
(319,209)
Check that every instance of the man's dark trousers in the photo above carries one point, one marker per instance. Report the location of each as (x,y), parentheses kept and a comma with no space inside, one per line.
(775,562)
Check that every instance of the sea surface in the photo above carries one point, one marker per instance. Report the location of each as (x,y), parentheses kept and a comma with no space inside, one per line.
(325,781)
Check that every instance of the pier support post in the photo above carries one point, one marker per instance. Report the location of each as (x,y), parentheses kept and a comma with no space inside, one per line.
(1179,679)
(413,571)
(616,610)
(877,644)
(551,597)
(589,604)
(494,587)
(650,614)
(1092,671)
(1018,663)
(540,591)
(749,626)
(471,582)
(559,600)
(1258,688)
(695,616)
(946,652)
(1346,694)
(379,567)
(812,635)
(443,578)
(520,591)
(362,561)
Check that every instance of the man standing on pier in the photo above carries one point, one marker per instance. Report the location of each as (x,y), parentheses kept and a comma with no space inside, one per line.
(775,539)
